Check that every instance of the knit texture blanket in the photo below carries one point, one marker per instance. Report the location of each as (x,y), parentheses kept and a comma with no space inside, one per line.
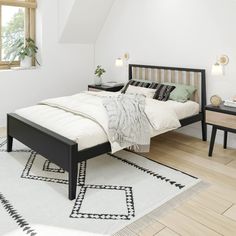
(128,124)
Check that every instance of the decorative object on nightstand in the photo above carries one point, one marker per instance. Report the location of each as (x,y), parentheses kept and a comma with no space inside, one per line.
(99,73)
(216,100)
(221,118)
(230,103)
(106,87)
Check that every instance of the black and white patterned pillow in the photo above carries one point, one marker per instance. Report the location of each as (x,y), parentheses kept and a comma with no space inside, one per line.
(137,84)
(163,91)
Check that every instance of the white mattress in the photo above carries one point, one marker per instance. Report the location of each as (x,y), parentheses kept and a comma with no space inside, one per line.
(88,133)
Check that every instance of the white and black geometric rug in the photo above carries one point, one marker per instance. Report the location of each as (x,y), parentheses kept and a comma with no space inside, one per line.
(113,191)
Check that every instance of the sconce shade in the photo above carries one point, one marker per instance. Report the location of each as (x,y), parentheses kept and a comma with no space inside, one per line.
(217,69)
(119,62)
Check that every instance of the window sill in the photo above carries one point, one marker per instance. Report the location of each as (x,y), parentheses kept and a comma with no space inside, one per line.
(19,68)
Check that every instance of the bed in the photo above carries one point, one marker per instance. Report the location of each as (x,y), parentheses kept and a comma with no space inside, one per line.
(61,149)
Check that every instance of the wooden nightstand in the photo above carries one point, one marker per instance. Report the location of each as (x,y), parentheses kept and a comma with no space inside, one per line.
(222,118)
(104,88)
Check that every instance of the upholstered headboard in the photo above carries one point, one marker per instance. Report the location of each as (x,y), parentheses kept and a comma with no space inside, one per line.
(161,74)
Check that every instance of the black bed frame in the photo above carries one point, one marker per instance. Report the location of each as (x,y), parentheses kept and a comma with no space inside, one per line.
(64,152)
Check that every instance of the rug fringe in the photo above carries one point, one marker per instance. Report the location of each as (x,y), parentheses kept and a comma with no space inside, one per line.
(149,221)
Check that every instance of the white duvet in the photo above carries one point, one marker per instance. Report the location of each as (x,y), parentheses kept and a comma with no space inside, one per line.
(83,118)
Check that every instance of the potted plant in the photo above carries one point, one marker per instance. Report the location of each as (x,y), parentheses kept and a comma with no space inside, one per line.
(25,51)
(99,73)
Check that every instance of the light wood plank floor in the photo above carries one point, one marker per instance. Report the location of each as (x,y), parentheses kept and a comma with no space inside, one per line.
(212,211)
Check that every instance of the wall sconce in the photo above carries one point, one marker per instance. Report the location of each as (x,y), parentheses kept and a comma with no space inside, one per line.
(120,61)
(218,67)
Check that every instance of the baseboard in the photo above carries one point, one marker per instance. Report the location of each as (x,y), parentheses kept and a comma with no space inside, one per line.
(2,122)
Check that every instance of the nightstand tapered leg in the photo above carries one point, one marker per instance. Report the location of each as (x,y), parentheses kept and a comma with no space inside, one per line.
(225,139)
(213,137)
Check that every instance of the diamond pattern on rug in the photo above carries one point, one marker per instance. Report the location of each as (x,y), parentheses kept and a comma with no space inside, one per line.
(47,178)
(77,212)
(54,169)
(50,167)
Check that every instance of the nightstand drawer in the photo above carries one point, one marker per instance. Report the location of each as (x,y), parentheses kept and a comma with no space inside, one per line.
(221,119)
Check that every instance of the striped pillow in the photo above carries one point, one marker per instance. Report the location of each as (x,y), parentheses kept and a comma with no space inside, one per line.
(162,91)
(137,84)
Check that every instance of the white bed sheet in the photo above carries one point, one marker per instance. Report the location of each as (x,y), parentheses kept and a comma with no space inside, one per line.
(86,131)
(184,110)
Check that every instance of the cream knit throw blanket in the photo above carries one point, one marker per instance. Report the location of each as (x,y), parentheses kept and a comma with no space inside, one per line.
(128,124)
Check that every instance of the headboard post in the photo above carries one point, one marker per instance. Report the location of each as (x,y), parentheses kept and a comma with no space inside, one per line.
(203,83)
(204,101)
(130,71)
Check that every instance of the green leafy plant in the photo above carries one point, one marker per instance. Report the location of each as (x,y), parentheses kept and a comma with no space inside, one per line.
(99,71)
(20,49)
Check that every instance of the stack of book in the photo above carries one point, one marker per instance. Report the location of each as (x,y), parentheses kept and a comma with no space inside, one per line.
(230,103)
(112,84)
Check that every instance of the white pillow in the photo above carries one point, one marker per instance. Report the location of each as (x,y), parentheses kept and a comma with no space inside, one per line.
(147,92)
(161,116)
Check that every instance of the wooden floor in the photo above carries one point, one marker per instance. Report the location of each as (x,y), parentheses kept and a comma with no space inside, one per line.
(211,211)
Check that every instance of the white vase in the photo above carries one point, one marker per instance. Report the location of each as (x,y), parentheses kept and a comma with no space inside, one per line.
(26,62)
(98,80)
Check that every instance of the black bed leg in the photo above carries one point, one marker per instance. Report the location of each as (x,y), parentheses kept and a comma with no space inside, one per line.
(204,131)
(9,143)
(73,182)
(73,173)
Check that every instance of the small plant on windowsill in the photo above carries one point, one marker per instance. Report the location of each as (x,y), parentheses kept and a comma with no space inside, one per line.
(25,51)
(99,72)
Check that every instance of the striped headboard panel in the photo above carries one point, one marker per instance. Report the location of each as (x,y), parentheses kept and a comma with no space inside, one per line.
(177,75)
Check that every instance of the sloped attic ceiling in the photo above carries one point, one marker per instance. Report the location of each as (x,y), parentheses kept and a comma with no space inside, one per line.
(84,20)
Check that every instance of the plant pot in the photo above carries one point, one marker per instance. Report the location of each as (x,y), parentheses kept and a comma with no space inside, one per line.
(98,80)
(26,62)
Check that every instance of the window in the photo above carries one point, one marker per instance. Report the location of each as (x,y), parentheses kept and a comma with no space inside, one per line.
(17,21)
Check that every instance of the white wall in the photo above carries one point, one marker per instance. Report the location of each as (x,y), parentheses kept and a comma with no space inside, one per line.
(85,20)
(64,10)
(184,33)
(65,69)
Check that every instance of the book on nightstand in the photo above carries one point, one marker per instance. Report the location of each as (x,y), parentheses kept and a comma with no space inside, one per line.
(230,103)
(112,84)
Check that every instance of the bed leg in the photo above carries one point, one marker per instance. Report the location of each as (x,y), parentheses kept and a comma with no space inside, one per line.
(73,174)
(9,143)
(204,131)
(73,182)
